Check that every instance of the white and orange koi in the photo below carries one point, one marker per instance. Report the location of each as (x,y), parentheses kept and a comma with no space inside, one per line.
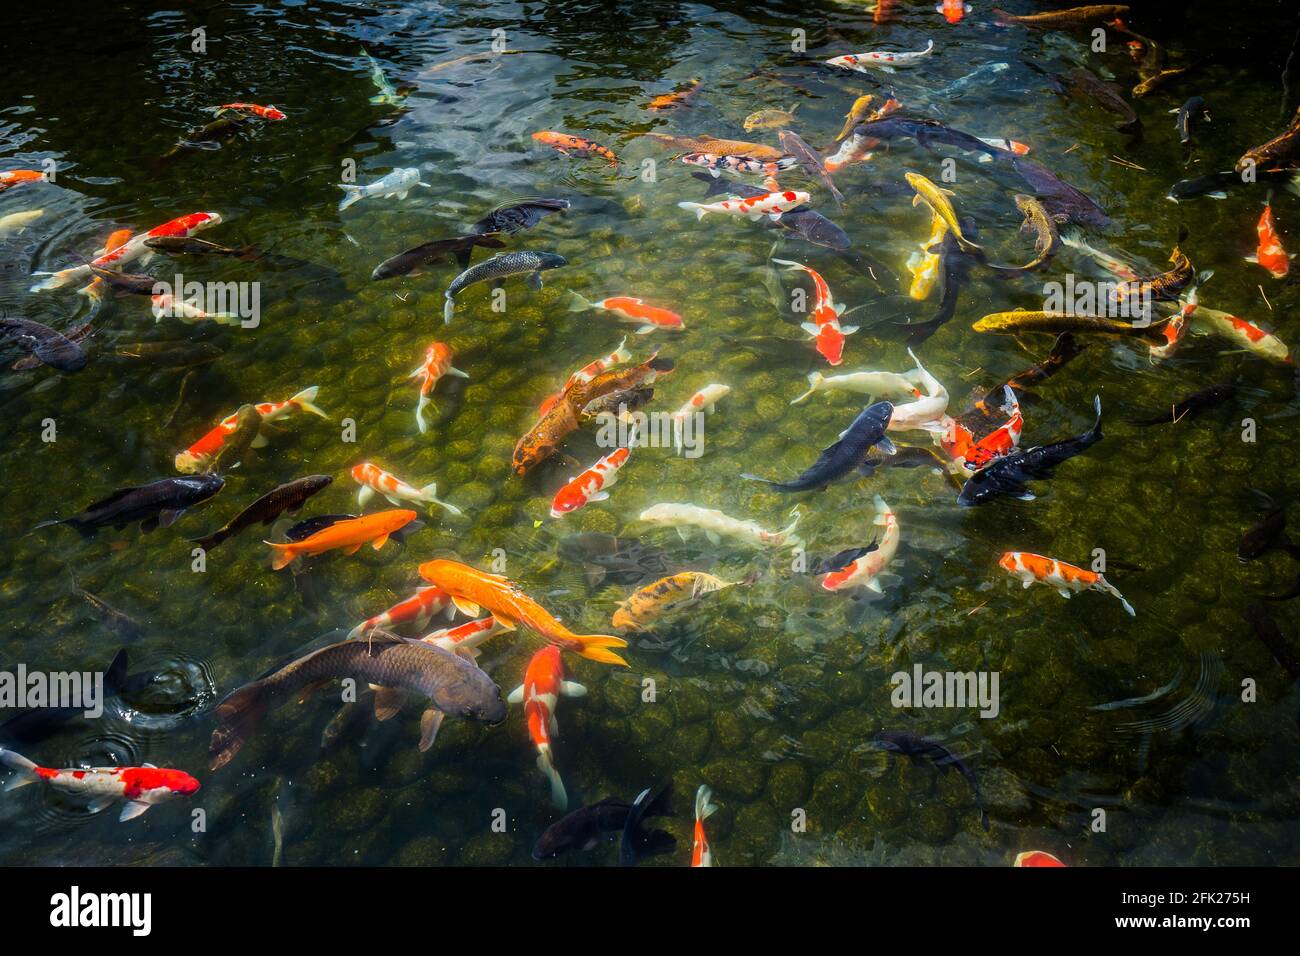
(250,109)
(129,251)
(417,609)
(866,564)
(1246,334)
(628,309)
(1270,253)
(141,787)
(825,327)
(701,854)
(374,479)
(926,411)
(998,142)
(540,693)
(704,401)
(769,204)
(437,363)
(878,60)
(953,10)
(592,484)
(464,639)
(1036,858)
(202,452)
(971,455)
(589,371)
(1176,329)
(1066,578)
(168,305)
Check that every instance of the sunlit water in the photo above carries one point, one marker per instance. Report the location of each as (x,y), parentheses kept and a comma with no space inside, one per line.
(771,692)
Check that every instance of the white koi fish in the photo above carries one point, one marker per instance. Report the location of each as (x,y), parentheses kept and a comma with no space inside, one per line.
(705,400)
(878,60)
(925,412)
(398,183)
(876,384)
(717,525)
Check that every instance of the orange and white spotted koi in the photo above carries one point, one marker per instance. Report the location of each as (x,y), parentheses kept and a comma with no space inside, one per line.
(866,564)
(16,177)
(540,693)
(1176,329)
(437,363)
(130,250)
(171,307)
(592,484)
(199,455)
(1246,334)
(374,479)
(417,609)
(704,401)
(971,455)
(1066,578)
(771,205)
(1270,253)
(141,787)
(878,60)
(464,639)
(825,327)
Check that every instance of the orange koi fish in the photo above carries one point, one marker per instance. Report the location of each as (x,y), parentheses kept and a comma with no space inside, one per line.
(199,455)
(628,309)
(251,109)
(471,589)
(16,177)
(1066,578)
(701,855)
(565,144)
(676,99)
(953,10)
(825,327)
(1036,858)
(591,484)
(1270,253)
(437,363)
(464,639)
(589,371)
(349,534)
(540,692)
(373,479)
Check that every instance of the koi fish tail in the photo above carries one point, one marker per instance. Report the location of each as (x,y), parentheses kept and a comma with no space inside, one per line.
(791,265)
(353,195)
(595,647)
(448,309)
(1011,406)
(1111,589)
(53,280)
(787,533)
(26,770)
(580,303)
(546,764)
(704,805)
(815,380)
(1093,435)
(285,555)
(237,718)
(420,423)
(429,495)
(698,207)
(304,400)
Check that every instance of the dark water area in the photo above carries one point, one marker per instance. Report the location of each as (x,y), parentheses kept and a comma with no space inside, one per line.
(1165,738)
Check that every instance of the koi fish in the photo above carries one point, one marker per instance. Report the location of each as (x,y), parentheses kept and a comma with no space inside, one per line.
(716,525)
(418,608)
(589,371)
(16,177)
(171,307)
(864,565)
(825,327)
(1000,442)
(770,204)
(1058,19)
(471,589)
(715,163)
(251,109)
(197,456)
(1270,253)
(1175,330)
(464,639)
(953,10)
(398,183)
(566,144)
(387,95)
(857,113)
(925,264)
(998,142)
(629,309)
(540,692)
(141,787)
(437,363)
(673,593)
(701,854)
(1036,858)
(721,147)
(1277,153)
(925,412)
(349,535)
(877,60)
(705,400)
(1066,578)
(886,384)
(16,223)
(676,99)
(45,345)
(1246,334)
(155,505)
(373,479)
(858,148)
(591,485)
(128,251)
(940,205)
(497,270)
